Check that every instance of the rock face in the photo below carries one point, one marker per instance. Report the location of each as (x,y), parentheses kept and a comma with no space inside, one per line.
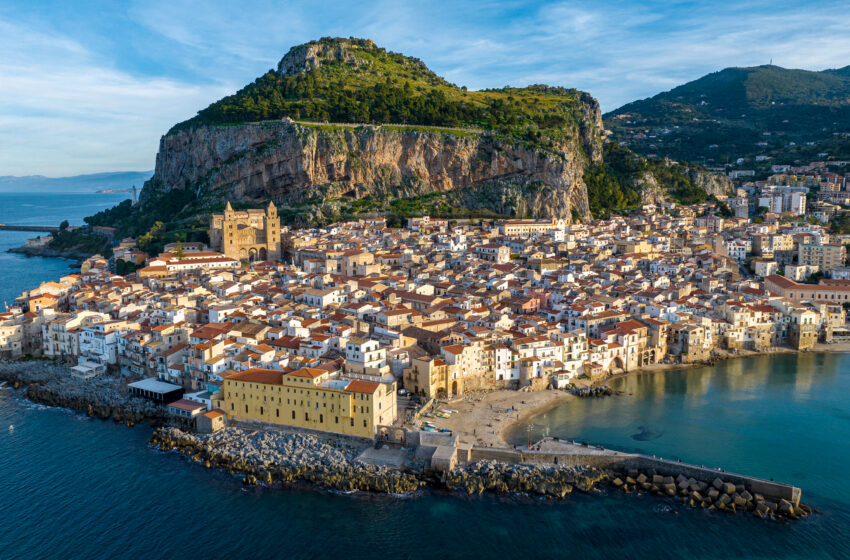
(310,56)
(712,183)
(296,164)
(650,191)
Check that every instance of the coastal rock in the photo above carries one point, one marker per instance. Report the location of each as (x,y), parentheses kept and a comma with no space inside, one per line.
(105,397)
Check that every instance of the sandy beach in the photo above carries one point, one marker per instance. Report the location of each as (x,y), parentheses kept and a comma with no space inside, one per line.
(484,418)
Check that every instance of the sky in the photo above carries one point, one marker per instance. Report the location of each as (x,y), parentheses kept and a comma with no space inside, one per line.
(90,86)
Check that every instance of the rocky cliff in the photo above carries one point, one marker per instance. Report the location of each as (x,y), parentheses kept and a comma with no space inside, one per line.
(296,164)
(451,152)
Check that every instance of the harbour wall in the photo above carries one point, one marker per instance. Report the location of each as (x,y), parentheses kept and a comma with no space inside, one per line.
(617,461)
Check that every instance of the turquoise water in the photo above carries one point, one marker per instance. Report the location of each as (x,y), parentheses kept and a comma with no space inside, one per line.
(784,417)
(19,272)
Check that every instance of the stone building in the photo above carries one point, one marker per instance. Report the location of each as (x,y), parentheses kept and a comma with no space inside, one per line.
(252,234)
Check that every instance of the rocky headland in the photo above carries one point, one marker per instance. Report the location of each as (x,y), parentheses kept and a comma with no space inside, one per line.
(104,397)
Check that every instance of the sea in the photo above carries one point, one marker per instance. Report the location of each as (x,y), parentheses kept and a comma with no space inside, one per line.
(73,487)
(20,272)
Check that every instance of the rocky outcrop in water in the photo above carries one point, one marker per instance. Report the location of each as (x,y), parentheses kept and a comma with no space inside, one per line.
(103,397)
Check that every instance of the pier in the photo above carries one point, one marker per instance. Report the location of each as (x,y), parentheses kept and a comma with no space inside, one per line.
(45,229)
(444,453)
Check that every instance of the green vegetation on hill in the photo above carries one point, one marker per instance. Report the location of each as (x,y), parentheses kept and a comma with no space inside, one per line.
(612,187)
(336,83)
(371,85)
(737,112)
(167,218)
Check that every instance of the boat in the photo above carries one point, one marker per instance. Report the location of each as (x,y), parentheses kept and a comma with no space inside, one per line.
(4,385)
(446,431)
(429,428)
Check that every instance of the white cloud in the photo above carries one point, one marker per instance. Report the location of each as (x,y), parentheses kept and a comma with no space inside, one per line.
(61,112)
(68,107)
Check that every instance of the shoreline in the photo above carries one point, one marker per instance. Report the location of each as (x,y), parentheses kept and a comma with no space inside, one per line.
(329,462)
(494,427)
(819,348)
(76,256)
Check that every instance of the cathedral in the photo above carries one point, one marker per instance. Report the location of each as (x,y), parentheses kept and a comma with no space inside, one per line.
(252,235)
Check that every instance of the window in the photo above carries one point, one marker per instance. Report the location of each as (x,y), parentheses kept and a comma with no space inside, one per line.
(336,419)
(352,422)
(246,409)
(307,416)
(321,417)
(277,413)
(293,415)
(261,410)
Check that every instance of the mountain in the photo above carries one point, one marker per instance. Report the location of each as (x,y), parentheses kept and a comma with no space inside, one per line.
(739,113)
(76,184)
(342,129)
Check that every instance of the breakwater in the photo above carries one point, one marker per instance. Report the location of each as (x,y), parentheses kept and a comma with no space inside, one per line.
(731,492)
(269,457)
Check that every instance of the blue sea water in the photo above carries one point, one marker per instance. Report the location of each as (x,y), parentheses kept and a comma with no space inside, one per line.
(72,487)
(19,272)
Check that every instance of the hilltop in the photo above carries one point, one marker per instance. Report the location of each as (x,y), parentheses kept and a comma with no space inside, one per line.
(342,128)
(355,81)
(740,113)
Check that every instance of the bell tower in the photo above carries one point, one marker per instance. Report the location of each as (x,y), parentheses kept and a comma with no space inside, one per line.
(272,232)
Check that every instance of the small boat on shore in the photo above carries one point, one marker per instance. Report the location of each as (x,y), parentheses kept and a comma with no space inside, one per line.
(4,385)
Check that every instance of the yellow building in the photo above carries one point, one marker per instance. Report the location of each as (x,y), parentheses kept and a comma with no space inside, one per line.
(427,376)
(309,398)
(250,234)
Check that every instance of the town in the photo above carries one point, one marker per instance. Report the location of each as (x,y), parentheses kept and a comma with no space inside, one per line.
(337,328)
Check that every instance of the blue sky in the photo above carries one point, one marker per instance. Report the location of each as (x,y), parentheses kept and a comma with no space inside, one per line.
(90,86)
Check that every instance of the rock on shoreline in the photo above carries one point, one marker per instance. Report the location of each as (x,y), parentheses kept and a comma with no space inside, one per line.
(270,456)
(78,256)
(719,495)
(103,397)
(556,482)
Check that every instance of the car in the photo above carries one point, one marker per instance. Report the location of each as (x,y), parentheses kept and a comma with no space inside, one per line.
(403,392)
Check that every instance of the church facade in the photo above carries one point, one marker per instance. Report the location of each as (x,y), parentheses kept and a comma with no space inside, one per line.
(252,235)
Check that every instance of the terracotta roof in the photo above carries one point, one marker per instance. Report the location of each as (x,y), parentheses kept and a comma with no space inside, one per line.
(259,375)
(357,386)
(310,373)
